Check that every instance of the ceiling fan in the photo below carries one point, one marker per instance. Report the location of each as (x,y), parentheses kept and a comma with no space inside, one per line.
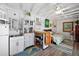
(59,10)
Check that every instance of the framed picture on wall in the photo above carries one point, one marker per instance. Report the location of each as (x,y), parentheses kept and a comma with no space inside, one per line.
(67,26)
(47,23)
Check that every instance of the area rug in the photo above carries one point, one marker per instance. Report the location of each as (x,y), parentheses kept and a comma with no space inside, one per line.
(29,51)
(66,46)
(68,42)
(64,49)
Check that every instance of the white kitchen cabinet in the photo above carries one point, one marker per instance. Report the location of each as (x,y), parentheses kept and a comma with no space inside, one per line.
(4,38)
(31,38)
(13,46)
(16,44)
(28,28)
(4,48)
(20,44)
(28,39)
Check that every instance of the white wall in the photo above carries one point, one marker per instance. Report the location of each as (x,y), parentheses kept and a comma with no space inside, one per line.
(60,27)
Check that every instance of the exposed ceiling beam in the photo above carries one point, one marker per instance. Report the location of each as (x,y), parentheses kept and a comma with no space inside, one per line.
(73,10)
(73,13)
(61,9)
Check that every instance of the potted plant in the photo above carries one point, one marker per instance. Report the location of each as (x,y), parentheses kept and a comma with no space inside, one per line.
(77,22)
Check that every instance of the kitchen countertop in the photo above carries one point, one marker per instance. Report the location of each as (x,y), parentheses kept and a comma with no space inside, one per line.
(15,35)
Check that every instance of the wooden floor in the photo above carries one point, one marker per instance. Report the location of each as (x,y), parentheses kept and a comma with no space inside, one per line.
(55,52)
(51,52)
(75,49)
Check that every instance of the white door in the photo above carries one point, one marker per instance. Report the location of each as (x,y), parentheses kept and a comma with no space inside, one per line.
(20,44)
(4,45)
(13,46)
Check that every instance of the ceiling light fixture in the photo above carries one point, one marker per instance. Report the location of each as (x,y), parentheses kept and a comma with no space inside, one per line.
(59,10)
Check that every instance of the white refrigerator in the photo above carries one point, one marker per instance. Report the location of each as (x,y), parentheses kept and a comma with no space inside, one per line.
(4,39)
